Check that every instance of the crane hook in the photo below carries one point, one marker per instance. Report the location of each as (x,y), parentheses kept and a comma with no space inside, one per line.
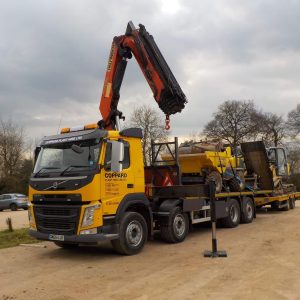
(167,126)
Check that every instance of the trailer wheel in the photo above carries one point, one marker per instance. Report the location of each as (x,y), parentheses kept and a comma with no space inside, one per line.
(234,214)
(275,205)
(234,185)
(247,211)
(216,177)
(292,203)
(177,228)
(133,234)
(287,206)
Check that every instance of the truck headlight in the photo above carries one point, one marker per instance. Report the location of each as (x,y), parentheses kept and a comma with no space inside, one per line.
(88,217)
(30,217)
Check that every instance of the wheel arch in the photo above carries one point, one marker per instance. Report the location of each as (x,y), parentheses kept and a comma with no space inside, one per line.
(137,202)
(169,204)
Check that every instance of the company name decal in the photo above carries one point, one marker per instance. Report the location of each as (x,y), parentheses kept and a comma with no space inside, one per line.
(68,139)
(115,175)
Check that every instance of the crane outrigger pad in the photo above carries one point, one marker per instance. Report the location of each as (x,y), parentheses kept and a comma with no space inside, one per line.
(256,161)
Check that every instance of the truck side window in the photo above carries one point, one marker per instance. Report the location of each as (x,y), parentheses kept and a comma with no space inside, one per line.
(107,159)
(126,160)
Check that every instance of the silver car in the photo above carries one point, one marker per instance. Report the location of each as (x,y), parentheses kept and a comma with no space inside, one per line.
(13,201)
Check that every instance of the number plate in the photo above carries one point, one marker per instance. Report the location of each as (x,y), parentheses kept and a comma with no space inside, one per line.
(56,237)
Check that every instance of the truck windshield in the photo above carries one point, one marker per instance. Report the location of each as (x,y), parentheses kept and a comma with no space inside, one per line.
(67,157)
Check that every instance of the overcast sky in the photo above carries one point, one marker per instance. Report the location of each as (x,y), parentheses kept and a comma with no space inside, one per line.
(53,56)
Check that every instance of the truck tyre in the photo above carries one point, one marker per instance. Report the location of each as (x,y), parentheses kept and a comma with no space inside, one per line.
(216,177)
(247,211)
(275,205)
(13,207)
(292,203)
(177,228)
(287,206)
(234,185)
(234,214)
(66,245)
(133,234)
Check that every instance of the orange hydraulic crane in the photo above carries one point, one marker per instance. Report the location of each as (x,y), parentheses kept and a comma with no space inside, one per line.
(165,88)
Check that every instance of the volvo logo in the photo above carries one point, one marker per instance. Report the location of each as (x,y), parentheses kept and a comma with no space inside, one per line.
(55,185)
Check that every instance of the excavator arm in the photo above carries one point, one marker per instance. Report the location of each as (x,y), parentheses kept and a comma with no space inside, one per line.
(165,88)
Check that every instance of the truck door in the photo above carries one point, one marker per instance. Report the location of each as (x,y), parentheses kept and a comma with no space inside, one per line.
(115,184)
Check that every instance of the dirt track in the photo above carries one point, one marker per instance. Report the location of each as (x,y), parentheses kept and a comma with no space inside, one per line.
(263,263)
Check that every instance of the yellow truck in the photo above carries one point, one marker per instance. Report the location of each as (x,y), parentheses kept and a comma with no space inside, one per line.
(89,183)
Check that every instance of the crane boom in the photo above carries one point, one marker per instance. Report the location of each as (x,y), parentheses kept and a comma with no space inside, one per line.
(165,88)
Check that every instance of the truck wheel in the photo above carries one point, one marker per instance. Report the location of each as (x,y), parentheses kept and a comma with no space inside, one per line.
(275,205)
(177,228)
(66,245)
(247,211)
(13,207)
(133,234)
(216,177)
(234,214)
(292,203)
(287,206)
(234,185)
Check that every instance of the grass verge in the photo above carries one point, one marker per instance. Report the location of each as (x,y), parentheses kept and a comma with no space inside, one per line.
(15,238)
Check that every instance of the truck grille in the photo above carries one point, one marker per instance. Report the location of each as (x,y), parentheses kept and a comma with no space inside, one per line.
(56,219)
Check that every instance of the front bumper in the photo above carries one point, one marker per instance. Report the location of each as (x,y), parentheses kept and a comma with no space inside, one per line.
(83,238)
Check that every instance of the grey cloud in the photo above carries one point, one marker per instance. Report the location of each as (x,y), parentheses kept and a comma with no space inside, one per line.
(54,55)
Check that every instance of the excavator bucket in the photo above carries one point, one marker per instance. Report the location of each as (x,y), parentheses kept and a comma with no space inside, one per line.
(172,99)
(256,161)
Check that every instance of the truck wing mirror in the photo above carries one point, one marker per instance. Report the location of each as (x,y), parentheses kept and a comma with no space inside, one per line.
(117,156)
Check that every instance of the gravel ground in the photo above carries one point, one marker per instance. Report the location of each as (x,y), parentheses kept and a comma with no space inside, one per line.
(263,263)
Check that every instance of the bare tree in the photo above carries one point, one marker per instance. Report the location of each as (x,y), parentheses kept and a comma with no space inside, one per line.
(294,157)
(233,122)
(293,121)
(272,128)
(153,126)
(11,152)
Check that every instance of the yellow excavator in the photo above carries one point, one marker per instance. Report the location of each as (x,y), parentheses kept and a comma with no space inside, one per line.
(266,168)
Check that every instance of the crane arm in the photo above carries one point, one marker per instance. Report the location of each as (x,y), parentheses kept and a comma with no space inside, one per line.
(165,88)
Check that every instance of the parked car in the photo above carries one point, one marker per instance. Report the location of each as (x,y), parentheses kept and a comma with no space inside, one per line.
(13,201)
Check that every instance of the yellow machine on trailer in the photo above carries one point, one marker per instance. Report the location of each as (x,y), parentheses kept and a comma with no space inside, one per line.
(201,162)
